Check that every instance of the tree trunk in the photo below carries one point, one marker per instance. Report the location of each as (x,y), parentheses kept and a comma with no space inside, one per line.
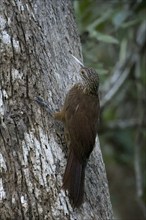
(37,38)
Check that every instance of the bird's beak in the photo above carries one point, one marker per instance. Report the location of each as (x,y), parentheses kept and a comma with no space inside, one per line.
(78,61)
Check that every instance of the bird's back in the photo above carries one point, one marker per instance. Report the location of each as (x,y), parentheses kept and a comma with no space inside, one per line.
(81,120)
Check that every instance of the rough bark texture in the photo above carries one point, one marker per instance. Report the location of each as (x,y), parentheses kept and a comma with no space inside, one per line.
(36,38)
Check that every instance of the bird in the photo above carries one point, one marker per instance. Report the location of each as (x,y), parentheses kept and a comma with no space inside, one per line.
(80,116)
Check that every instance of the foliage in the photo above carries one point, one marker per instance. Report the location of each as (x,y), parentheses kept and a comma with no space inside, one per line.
(111,32)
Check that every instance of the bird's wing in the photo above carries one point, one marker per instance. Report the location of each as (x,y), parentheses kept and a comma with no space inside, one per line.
(81,123)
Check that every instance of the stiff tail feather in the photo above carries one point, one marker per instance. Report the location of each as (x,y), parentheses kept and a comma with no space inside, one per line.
(73,179)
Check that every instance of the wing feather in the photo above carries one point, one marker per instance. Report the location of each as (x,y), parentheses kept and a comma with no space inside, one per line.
(81,121)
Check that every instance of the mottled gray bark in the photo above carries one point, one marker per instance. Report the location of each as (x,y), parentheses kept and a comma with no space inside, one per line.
(36,38)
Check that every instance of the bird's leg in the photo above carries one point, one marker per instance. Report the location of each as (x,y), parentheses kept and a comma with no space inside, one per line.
(60,116)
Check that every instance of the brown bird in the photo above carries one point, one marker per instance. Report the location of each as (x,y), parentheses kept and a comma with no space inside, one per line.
(80,115)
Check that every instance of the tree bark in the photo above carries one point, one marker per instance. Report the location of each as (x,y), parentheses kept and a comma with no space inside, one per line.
(36,39)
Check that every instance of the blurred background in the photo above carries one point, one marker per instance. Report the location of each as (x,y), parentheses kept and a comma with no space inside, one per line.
(113,37)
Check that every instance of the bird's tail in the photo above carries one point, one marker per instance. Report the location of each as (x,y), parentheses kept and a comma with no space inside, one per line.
(73,179)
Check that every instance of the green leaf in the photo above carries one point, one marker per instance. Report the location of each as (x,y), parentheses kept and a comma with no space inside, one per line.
(98,21)
(123,50)
(120,17)
(130,23)
(104,37)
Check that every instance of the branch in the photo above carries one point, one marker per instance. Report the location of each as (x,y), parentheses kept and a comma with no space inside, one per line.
(122,71)
(121,124)
(117,80)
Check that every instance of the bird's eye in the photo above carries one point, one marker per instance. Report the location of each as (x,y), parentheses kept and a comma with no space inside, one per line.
(82,72)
